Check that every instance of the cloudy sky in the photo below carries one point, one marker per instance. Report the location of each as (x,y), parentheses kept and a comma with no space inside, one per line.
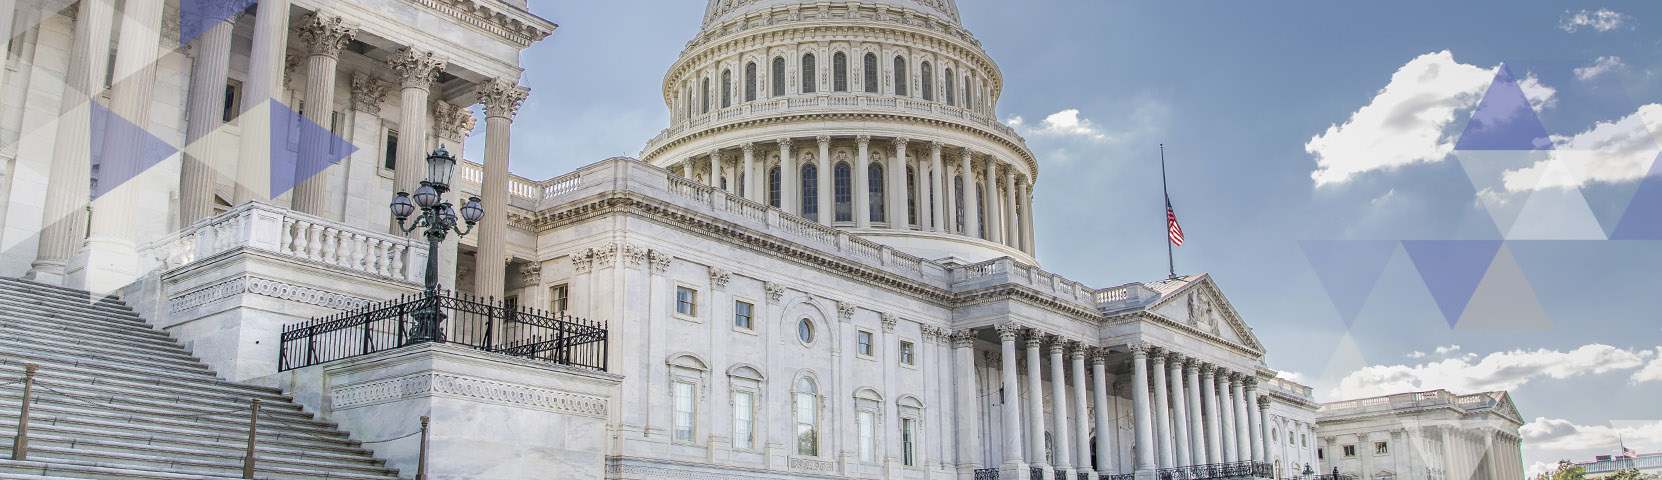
(1287,129)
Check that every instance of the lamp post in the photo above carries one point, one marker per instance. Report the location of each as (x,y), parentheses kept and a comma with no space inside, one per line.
(1307,471)
(439,219)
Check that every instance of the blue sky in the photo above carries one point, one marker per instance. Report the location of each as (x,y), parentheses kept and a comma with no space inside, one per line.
(1256,106)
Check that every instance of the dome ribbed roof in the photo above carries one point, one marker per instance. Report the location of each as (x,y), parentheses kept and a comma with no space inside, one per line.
(720,10)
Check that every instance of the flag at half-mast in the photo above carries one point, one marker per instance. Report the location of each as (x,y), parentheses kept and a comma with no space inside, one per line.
(1172,228)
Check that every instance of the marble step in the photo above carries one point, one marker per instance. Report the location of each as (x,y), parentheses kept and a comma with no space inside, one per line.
(97,355)
(231,427)
(101,312)
(14,282)
(229,456)
(91,377)
(119,466)
(130,402)
(62,338)
(32,470)
(23,354)
(110,303)
(88,323)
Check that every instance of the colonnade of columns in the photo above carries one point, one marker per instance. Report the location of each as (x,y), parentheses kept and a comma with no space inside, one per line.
(1182,408)
(323,36)
(922,188)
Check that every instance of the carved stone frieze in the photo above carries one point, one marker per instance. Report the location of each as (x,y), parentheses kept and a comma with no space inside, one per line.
(582,261)
(660,262)
(845,311)
(531,273)
(775,292)
(368,93)
(325,34)
(719,277)
(441,384)
(452,121)
(416,68)
(500,97)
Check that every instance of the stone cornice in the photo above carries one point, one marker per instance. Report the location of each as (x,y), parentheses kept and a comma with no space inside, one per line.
(513,24)
(1136,315)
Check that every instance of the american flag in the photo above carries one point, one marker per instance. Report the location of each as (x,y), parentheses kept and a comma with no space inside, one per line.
(1172,228)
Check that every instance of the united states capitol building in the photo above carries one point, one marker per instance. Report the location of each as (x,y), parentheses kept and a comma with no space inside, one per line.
(824,268)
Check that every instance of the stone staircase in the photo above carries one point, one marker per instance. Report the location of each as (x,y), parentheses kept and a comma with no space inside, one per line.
(114,399)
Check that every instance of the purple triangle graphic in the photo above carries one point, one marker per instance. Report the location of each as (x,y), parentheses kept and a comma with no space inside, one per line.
(197,16)
(1643,218)
(121,150)
(292,161)
(1348,270)
(1451,270)
(1504,120)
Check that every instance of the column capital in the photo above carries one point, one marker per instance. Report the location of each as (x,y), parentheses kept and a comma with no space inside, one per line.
(1175,359)
(784,143)
(715,153)
(935,147)
(1139,350)
(416,68)
(862,140)
(824,140)
(1077,350)
(367,93)
(900,143)
(1190,363)
(451,121)
(1207,371)
(1058,346)
(889,321)
(325,34)
(1099,355)
(1249,381)
(1008,331)
(1158,355)
(1033,338)
(966,153)
(500,97)
(748,148)
(964,338)
(1264,402)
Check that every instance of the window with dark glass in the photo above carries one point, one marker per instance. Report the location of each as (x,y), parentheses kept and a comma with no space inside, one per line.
(981,213)
(750,82)
(391,161)
(233,100)
(949,89)
(778,76)
(558,298)
(842,193)
(706,92)
(726,88)
(928,79)
(807,73)
(911,196)
(969,96)
(773,187)
(900,76)
(871,73)
(839,72)
(958,201)
(874,188)
(810,192)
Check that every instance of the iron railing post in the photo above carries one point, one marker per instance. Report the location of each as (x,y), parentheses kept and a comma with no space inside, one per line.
(253,422)
(421,462)
(20,444)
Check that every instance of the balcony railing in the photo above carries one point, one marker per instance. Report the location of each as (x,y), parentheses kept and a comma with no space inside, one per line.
(1116,476)
(986,474)
(1246,469)
(480,323)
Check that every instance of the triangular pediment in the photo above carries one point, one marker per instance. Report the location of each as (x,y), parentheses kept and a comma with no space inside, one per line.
(1197,303)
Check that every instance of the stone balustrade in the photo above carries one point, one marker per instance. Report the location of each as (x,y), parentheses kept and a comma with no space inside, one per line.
(291,234)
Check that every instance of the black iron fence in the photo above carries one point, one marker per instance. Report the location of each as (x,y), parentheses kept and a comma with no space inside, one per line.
(1243,469)
(986,474)
(1036,472)
(477,322)
(1116,476)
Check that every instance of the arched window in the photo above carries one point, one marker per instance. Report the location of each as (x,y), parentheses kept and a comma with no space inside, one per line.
(981,213)
(750,81)
(900,76)
(810,192)
(839,72)
(928,81)
(911,195)
(807,73)
(958,201)
(969,97)
(874,188)
(778,76)
(726,88)
(773,187)
(706,92)
(871,73)
(949,89)
(842,193)
(807,418)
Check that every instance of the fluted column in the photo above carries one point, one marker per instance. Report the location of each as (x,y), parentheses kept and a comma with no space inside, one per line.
(1035,402)
(972,208)
(63,220)
(713,161)
(208,72)
(897,197)
(1162,418)
(1026,197)
(1255,426)
(323,35)
(1141,418)
(1226,417)
(1214,423)
(501,98)
(1261,415)
(937,187)
(747,180)
(826,193)
(1106,437)
(1180,413)
(264,84)
(1059,406)
(1013,453)
(1011,236)
(989,203)
(1243,440)
(862,183)
(1197,423)
(967,436)
(1081,413)
(415,70)
(790,179)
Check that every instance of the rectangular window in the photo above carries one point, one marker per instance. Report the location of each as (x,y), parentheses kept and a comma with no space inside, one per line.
(868,437)
(233,100)
(741,315)
(906,352)
(1380,448)
(685,412)
(1350,451)
(1320,454)
(908,437)
(686,301)
(557,300)
(862,343)
(391,161)
(744,426)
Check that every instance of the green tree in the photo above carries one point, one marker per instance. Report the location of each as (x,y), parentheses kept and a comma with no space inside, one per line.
(1565,471)
(1628,474)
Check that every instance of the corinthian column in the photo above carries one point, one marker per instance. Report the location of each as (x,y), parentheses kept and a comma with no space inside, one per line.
(1059,407)
(1255,424)
(968,437)
(416,70)
(1081,413)
(1141,420)
(1197,425)
(862,183)
(208,72)
(1106,436)
(790,180)
(1026,198)
(1007,333)
(1011,237)
(748,178)
(898,196)
(989,203)
(823,180)
(266,62)
(714,159)
(937,187)
(1162,419)
(63,220)
(1180,412)
(1035,401)
(1226,417)
(501,99)
(1243,440)
(324,35)
(972,209)
(1214,427)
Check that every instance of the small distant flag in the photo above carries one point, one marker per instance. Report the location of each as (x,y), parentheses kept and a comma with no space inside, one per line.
(1172,228)
(1626,452)
(1174,233)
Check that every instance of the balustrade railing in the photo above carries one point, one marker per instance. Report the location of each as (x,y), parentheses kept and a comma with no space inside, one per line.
(1116,476)
(986,474)
(1245,469)
(290,234)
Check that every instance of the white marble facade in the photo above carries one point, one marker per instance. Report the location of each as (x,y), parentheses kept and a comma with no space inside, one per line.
(1422,435)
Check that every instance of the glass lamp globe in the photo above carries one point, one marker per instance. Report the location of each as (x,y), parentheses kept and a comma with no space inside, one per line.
(439,166)
(447,213)
(426,196)
(401,206)
(472,211)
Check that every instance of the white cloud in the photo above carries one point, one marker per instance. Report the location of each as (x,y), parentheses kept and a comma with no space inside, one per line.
(1448,349)
(1652,371)
(1496,371)
(1538,468)
(1610,152)
(1407,122)
(1416,354)
(1600,66)
(1291,376)
(1063,123)
(1601,20)
(1559,434)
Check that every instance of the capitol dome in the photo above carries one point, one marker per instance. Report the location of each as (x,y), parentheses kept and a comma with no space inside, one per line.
(877,117)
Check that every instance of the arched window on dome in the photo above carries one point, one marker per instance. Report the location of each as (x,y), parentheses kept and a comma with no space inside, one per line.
(981,213)
(706,92)
(843,193)
(900,76)
(969,96)
(726,88)
(911,195)
(773,187)
(810,192)
(807,73)
(928,81)
(871,73)
(778,76)
(958,201)
(874,188)
(949,90)
(839,72)
(750,82)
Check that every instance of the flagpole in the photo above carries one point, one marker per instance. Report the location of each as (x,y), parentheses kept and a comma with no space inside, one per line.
(1170,264)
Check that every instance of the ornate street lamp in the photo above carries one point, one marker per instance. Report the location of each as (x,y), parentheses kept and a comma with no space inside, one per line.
(439,219)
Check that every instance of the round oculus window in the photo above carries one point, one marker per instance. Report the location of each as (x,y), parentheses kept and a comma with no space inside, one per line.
(805,331)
